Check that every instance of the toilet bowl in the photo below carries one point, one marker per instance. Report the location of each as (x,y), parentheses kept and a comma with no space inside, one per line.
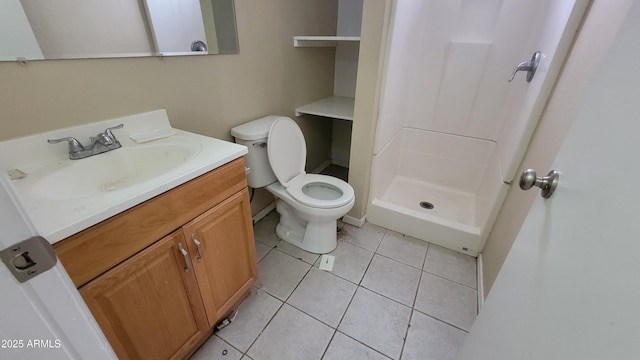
(309,204)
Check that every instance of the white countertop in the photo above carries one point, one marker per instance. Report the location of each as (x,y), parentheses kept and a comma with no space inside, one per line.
(57,213)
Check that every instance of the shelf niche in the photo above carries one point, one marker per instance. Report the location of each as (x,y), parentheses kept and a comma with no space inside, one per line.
(340,105)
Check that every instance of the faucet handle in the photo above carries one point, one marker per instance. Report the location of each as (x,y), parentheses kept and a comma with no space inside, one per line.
(109,134)
(74,145)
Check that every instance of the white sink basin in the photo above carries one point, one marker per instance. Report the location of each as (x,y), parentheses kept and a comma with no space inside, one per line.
(63,196)
(110,171)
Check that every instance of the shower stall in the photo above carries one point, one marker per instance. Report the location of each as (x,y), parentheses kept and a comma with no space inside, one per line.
(452,129)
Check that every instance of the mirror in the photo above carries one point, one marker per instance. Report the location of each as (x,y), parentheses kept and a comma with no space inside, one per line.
(77,29)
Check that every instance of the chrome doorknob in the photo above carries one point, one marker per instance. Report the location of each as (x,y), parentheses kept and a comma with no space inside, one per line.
(548,183)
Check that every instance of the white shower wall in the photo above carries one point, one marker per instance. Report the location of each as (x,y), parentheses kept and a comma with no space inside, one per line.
(436,61)
(448,65)
(452,130)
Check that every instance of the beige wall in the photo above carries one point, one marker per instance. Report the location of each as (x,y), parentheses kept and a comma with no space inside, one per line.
(375,22)
(592,42)
(203,94)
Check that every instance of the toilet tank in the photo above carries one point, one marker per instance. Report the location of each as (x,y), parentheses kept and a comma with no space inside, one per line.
(254,136)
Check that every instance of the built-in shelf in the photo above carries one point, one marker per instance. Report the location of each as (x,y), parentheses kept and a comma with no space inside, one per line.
(322,41)
(337,107)
(340,106)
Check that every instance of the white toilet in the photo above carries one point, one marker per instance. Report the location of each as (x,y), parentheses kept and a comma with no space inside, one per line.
(309,204)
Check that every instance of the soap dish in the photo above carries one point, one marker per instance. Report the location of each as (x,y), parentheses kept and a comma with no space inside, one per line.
(154,134)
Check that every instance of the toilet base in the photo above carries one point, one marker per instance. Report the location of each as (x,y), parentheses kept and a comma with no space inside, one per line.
(319,236)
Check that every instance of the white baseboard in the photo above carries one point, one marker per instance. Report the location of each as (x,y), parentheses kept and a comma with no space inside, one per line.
(354,221)
(264,212)
(480,282)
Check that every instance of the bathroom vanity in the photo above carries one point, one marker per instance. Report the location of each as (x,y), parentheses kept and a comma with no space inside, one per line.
(156,235)
(159,276)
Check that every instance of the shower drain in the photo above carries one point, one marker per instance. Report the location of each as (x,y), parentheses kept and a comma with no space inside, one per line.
(426,205)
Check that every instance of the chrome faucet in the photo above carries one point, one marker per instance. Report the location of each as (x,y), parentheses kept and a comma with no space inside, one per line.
(103,142)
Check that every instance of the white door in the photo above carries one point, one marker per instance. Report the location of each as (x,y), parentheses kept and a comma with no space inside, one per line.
(45,317)
(570,286)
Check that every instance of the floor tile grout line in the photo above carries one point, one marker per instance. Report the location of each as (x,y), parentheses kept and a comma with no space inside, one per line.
(398,261)
(359,342)
(305,275)
(442,321)
(294,307)
(293,256)
(352,297)
(384,231)
(289,296)
(359,285)
(453,281)
(440,276)
(269,245)
(413,308)
(381,240)
(299,282)
(265,255)
(424,261)
(224,341)
(389,257)
(342,318)
(304,312)
(267,324)
(326,348)
(386,297)
(335,329)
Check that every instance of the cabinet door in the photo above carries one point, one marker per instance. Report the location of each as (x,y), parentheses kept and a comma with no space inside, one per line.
(225,259)
(149,306)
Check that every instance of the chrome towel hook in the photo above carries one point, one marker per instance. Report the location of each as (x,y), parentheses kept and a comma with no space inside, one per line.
(529,66)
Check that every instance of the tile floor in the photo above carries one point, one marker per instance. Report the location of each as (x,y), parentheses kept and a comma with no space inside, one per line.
(389,296)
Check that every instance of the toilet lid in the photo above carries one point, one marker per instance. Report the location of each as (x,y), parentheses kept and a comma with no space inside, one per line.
(286,150)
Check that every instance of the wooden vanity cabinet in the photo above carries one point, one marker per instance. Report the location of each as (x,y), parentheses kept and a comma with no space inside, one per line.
(159,276)
(149,307)
(225,264)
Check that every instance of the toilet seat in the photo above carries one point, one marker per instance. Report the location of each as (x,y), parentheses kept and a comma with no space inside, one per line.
(340,193)
(287,152)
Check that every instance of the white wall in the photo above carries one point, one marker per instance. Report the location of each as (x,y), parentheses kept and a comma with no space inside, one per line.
(344,78)
(349,24)
(448,66)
